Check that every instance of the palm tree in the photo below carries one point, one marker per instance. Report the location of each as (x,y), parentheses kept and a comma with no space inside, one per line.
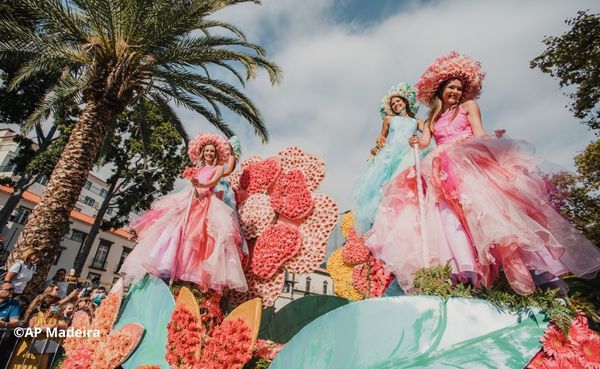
(112,53)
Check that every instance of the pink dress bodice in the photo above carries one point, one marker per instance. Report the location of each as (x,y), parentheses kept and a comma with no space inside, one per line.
(204,175)
(447,129)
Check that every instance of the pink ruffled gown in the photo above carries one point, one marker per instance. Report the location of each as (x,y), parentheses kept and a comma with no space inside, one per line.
(486,207)
(189,238)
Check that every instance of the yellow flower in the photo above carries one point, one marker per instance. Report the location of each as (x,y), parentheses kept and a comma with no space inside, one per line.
(347,223)
(341,274)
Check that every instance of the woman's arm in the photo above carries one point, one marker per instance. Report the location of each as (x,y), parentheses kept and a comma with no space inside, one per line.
(385,129)
(211,182)
(474,115)
(230,165)
(425,138)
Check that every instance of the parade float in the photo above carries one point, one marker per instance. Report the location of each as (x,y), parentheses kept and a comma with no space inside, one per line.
(372,324)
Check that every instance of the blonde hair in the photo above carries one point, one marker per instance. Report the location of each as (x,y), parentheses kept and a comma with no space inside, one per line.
(436,104)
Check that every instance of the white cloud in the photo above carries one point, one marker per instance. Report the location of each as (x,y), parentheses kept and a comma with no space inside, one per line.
(336,74)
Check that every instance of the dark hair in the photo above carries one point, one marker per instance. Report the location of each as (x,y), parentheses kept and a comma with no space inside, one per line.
(406,106)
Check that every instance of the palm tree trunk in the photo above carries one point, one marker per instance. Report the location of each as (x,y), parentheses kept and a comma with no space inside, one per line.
(49,220)
(84,250)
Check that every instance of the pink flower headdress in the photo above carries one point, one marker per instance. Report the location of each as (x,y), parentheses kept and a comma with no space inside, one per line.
(220,143)
(452,65)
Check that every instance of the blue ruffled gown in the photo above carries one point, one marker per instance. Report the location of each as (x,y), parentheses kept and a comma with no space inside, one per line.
(395,156)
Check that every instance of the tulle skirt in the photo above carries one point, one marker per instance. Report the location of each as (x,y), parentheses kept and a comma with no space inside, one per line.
(486,208)
(186,238)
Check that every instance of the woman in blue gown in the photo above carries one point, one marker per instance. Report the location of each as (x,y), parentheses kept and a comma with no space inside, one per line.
(390,155)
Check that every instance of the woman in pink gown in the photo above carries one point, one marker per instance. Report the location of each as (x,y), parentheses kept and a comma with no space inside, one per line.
(486,206)
(191,236)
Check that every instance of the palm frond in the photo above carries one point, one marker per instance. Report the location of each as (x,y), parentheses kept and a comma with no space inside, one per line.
(169,114)
(63,93)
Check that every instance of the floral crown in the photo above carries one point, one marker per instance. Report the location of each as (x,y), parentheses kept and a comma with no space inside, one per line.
(452,65)
(234,141)
(221,145)
(403,90)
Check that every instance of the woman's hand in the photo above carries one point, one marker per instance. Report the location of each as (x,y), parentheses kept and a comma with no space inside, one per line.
(195,182)
(414,140)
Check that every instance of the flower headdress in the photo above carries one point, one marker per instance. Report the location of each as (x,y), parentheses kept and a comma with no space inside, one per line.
(452,65)
(219,142)
(403,90)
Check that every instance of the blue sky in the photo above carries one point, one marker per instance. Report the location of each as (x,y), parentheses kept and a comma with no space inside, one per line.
(340,56)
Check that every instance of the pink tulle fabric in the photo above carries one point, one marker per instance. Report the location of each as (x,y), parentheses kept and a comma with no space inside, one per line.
(486,207)
(189,238)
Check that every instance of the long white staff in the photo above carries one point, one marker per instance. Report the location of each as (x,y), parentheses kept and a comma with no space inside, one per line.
(421,200)
(181,234)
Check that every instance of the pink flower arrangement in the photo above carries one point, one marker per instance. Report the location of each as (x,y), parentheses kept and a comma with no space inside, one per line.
(282,198)
(275,246)
(106,314)
(190,173)
(360,279)
(111,352)
(581,349)
(315,230)
(81,321)
(148,367)
(184,338)
(79,358)
(452,65)
(259,177)
(266,349)
(354,251)
(256,214)
(291,197)
(312,166)
(230,346)
(219,142)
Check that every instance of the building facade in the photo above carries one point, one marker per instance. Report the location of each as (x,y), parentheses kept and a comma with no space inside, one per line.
(109,248)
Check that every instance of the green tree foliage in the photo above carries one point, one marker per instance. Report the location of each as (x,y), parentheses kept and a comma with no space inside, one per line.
(574,58)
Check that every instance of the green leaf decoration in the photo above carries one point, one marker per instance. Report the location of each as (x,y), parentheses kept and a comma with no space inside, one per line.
(282,326)
(415,332)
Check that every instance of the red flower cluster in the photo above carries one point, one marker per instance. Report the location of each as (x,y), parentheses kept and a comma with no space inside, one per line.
(230,346)
(354,251)
(190,173)
(184,338)
(258,177)
(291,197)
(210,312)
(581,349)
(380,276)
(275,246)
(267,349)
(112,352)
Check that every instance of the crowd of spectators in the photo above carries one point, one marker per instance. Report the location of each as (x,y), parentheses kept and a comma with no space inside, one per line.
(53,308)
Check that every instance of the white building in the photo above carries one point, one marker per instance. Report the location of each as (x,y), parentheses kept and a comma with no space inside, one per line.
(109,249)
(297,286)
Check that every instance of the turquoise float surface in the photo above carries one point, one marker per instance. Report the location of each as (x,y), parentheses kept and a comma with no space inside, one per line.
(415,332)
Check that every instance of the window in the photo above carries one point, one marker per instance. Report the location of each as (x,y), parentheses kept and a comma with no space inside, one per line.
(89,201)
(124,253)
(109,211)
(43,180)
(77,235)
(307,289)
(325,283)
(20,215)
(101,254)
(286,287)
(93,276)
(88,185)
(103,192)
